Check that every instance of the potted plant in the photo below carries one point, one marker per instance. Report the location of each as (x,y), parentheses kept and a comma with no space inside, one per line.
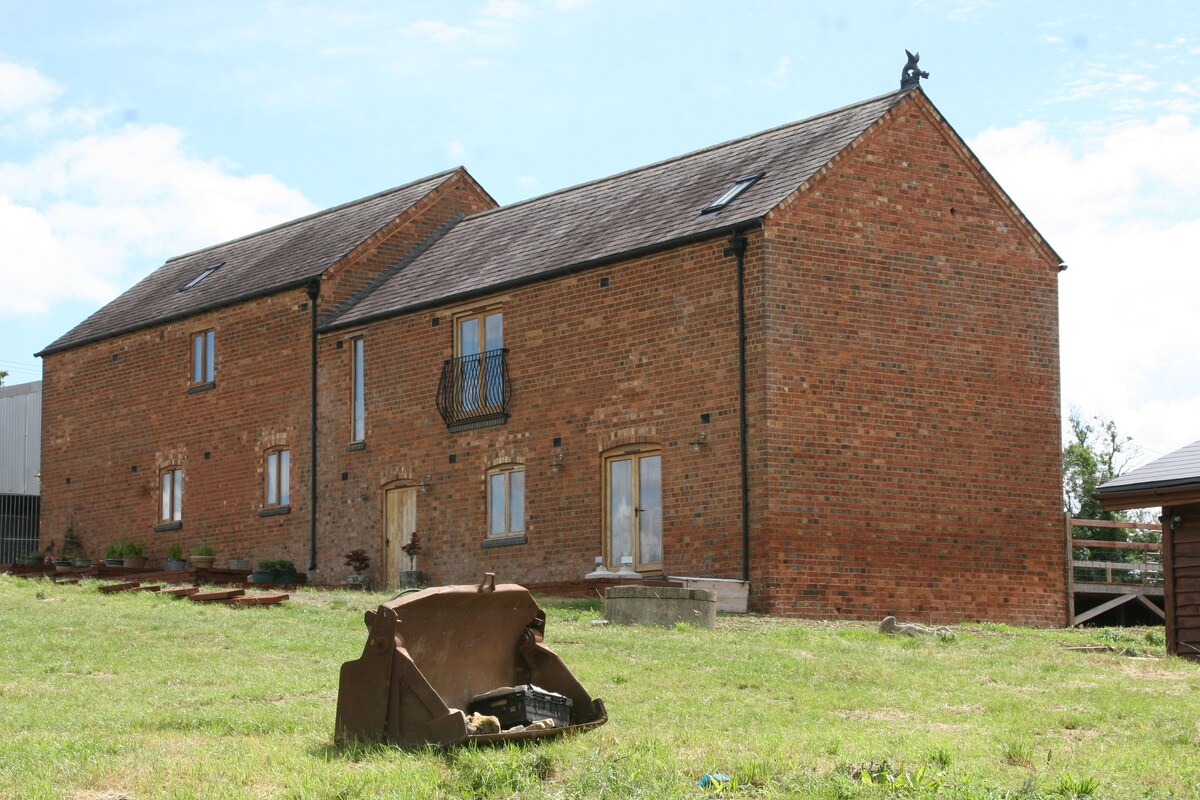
(285,571)
(265,573)
(62,564)
(73,548)
(412,577)
(114,555)
(359,561)
(36,558)
(175,558)
(203,556)
(135,555)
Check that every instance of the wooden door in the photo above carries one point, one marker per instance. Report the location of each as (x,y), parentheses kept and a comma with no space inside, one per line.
(400,521)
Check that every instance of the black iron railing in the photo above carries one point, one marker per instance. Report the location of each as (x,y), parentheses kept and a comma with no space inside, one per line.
(474,390)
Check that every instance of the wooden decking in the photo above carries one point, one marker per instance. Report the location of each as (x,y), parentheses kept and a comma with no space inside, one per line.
(1098,585)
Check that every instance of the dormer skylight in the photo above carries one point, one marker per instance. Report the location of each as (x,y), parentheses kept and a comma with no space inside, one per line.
(204,273)
(729,195)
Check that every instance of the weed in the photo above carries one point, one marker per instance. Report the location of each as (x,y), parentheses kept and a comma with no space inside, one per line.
(1071,787)
(939,758)
(1016,753)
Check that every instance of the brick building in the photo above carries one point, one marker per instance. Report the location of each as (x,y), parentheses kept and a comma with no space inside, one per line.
(822,358)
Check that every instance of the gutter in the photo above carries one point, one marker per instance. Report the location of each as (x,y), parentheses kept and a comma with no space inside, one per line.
(558,272)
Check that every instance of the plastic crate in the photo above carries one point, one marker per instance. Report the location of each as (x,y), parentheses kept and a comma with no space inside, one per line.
(521,705)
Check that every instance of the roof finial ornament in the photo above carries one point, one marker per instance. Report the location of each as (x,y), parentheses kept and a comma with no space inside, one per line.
(911,76)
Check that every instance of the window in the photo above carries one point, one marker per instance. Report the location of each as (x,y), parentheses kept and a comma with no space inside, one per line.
(203,356)
(480,351)
(204,273)
(633,506)
(729,195)
(506,500)
(171,509)
(278,478)
(358,413)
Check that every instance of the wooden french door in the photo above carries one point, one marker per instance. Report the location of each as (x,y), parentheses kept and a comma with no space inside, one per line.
(633,509)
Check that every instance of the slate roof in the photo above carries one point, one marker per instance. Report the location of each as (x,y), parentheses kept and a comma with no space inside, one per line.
(261,263)
(635,211)
(1179,468)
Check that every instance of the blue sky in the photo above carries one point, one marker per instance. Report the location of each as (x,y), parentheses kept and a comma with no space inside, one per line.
(132,131)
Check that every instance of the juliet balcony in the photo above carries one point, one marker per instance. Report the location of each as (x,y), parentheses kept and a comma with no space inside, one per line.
(474,391)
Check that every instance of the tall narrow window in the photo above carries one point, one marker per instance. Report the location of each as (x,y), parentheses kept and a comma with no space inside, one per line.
(633,508)
(171,508)
(506,500)
(278,478)
(203,356)
(358,414)
(480,352)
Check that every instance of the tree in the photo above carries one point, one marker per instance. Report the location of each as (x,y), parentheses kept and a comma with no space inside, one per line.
(3,375)
(1095,453)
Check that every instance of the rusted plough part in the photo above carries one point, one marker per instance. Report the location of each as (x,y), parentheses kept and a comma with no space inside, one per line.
(429,653)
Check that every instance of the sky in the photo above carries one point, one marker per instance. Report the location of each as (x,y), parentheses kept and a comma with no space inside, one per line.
(132,131)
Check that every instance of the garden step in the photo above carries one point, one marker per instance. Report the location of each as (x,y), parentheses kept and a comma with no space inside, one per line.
(266,599)
(120,587)
(181,591)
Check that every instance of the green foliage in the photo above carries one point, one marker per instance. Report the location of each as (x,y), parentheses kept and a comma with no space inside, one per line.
(114,550)
(204,550)
(1096,452)
(133,548)
(175,552)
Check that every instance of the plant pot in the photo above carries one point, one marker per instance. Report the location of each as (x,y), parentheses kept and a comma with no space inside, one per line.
(261,576)
(176,564)
(135,562)
(63,566)
(285,577)
(34,562)
(114,562)
(358,582)
(203,562)
(412,579)
(83,562)
(240,563)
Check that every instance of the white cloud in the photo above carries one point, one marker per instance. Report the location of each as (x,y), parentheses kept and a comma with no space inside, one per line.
(505,9)
(85,217)
(23,87)
(1123,209)
(455,149)
(437,31)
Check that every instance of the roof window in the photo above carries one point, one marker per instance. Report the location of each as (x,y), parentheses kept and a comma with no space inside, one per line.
(729,195)
(204,273)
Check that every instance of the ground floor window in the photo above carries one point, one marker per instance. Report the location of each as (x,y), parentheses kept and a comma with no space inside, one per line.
(633,506)
(506,500)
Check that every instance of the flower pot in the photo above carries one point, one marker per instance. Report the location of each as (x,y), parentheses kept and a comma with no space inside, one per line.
(261,576)
(83,562)
(114,562)
(412,579)
(176,563)
(240,563)
(63,566)
(136,562)
(202,562)
(285,577)
(34,561)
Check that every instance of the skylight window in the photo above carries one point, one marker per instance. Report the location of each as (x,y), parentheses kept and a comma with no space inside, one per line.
(204,273)
(729,195)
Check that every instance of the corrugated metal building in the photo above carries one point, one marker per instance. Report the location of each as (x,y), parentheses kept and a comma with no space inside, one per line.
(20,465)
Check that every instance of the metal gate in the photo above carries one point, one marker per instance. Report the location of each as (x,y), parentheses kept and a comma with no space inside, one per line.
(18,525)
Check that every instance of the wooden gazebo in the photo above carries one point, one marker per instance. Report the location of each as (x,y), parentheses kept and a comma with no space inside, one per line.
(1172,482)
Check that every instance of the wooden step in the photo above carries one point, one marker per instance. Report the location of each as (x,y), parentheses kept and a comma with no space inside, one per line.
(220,594)
(265,599)
(120,587)
(181,591)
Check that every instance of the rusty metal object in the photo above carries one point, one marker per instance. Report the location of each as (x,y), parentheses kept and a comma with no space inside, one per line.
(429,653)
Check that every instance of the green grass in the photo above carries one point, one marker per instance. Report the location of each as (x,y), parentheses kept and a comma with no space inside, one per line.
(133,695)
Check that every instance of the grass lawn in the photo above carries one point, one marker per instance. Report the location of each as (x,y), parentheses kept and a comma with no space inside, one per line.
(139,696)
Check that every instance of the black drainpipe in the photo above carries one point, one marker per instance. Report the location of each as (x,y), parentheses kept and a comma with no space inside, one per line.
(313,290)
(737,248)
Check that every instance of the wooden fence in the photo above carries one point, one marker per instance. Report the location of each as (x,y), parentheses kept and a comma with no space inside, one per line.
(1127,580)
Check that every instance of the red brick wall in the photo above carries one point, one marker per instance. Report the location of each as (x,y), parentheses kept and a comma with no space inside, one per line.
(912,416)
(103,416)
(638,361)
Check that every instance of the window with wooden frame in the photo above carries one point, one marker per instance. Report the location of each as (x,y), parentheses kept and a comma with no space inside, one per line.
(479,345)
(203,357)
(277,470)
(633,511)
(171,495)
(358,403)
(506,500)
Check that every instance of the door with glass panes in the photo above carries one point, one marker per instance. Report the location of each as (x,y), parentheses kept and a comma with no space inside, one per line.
(633,511)
(480,342)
